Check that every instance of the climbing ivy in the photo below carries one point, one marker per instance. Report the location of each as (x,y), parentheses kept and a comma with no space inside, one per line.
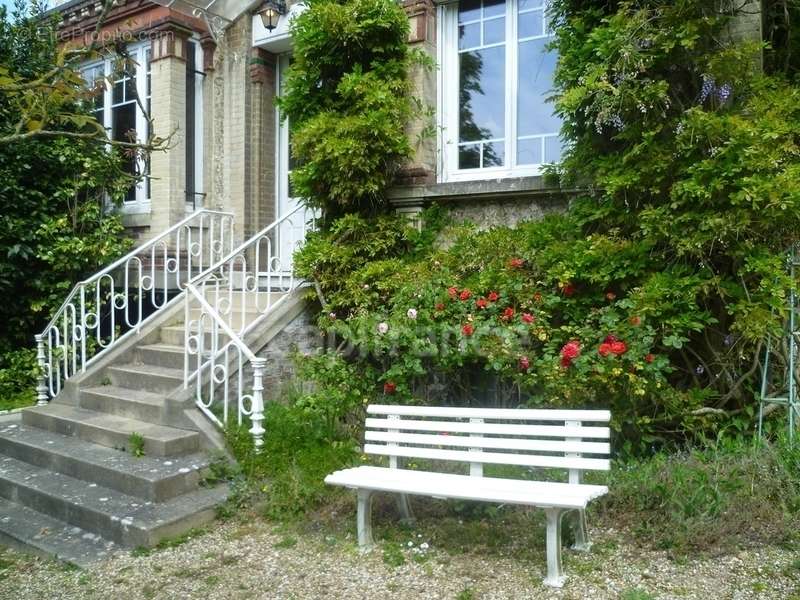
(347,99)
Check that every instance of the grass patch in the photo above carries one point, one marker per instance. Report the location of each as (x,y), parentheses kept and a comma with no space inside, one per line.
(728,494)
(287,478)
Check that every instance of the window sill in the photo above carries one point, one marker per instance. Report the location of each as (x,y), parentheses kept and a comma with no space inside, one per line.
(474,189)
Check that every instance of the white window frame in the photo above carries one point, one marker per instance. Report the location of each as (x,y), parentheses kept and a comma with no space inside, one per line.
(138,53)
(447,100)
(199,154)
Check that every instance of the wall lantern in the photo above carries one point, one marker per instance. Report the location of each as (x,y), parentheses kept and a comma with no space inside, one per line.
(271,12)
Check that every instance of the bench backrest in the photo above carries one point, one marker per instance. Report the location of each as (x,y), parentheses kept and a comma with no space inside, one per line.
(576,440)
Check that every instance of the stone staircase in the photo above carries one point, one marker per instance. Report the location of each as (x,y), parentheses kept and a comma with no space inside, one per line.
(70,485)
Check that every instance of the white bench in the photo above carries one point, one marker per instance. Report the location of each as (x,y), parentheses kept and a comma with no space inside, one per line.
(525,437)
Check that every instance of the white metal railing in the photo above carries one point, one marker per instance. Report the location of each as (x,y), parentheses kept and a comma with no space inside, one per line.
(226,302)
(115,302)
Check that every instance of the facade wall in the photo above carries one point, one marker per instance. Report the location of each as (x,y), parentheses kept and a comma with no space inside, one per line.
(239,122)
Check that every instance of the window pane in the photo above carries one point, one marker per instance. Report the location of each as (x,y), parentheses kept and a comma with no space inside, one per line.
(494,31)
(469,156)
(469,10)
(528,4)
(529,151)
(493,8)
(530,24)
(118,93)
(482,94)
(493,154)
(469,36)
(552,149)
(123,120)
(536,66)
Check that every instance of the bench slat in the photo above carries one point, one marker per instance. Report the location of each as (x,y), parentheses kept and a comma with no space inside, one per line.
(511,414)
(499,458)
(486,489)
(484,442)
(490,428)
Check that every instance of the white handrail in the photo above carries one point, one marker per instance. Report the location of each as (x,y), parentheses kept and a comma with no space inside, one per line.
(229,300)
(114,302)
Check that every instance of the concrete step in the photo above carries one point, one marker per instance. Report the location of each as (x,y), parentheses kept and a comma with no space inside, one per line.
(110,430)
(30,531)
(165,355)
(173,335)
(123,519)
(150,378)
(146,477)
(124,402)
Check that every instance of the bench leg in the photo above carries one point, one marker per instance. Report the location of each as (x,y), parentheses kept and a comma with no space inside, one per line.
(404,507)
(582,542)
(555,573)
(364,520)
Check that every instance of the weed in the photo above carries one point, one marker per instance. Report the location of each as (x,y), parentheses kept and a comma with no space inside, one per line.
(635,594)
(211,580)
(286,542)
(136,444)
(141,551)
(467,593)
(393,554)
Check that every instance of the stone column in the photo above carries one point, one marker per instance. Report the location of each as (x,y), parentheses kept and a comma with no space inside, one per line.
(261,203)
(168,110)
(421,169)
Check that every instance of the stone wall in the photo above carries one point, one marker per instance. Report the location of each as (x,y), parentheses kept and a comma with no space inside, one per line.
(300,335)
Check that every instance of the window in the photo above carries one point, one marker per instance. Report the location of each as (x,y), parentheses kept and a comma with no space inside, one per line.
(116,83)
(495,79)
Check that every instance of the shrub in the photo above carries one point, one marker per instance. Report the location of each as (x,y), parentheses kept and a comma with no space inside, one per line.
(18,374)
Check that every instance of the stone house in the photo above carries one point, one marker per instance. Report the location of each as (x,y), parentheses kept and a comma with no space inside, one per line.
(191,330)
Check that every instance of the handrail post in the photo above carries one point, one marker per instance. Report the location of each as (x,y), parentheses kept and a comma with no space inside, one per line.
(257,415)
(41,386)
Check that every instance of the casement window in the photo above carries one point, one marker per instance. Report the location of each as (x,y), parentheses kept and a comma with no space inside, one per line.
(494,82)
(117,83)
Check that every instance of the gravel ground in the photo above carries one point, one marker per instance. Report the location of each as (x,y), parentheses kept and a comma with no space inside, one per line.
(258,559)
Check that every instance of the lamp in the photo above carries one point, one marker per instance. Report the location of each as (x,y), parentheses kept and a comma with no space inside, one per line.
(271,12)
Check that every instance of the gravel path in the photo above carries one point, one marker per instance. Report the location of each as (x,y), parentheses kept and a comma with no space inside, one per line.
(259,559)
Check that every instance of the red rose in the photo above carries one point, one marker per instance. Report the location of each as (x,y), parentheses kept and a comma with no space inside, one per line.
(524,363)
(493,296)
(604,349)
(571,349)
(537,297)
(468,329)
(481,303)
(439,306)
(452,292)
(390,387)
(508,314)
(568,290)
(566,362)
(527,318)
(610,339)
(465,295)
(516,263)
(649,358)
(619,348)
(635,321)
(610,295)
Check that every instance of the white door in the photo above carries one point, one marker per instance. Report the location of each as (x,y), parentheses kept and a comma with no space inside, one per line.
(290,231)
